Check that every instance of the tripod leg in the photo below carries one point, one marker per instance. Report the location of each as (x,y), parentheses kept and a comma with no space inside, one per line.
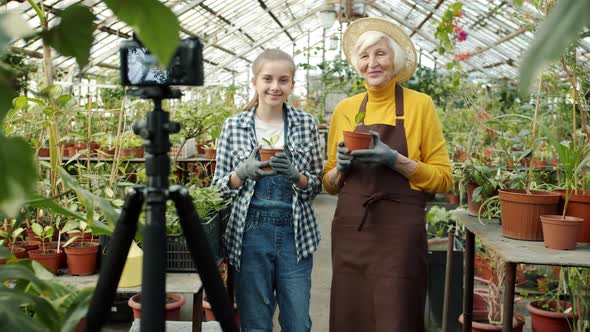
(112,266)
(203,258)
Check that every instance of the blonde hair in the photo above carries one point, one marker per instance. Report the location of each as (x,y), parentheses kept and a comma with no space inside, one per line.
(371,38)
(262,58)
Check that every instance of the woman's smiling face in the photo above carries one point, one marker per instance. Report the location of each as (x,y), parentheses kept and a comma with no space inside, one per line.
(375,64)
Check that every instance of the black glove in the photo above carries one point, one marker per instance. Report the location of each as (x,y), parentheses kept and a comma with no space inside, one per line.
(251,168)
(380,153)
(343,159)
(282,165)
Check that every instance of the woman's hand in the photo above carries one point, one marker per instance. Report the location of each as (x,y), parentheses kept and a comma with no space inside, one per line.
(343,158)
(379,154)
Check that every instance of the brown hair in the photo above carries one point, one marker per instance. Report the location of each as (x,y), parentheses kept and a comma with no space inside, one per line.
(268,55)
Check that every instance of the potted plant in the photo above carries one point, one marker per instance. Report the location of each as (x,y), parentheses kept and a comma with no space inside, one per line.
(48,257)
(270,149)
(10,239)
(81,255)
(491,318)
(174,302)
(549,313)
(560,231)
(356,140)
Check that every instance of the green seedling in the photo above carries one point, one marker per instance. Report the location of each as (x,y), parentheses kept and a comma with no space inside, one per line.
(271,141)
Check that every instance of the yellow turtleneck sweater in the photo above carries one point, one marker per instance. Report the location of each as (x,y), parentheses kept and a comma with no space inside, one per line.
(426,144)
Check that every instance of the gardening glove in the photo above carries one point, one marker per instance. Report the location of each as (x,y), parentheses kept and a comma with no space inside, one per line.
(343,158)
(379,154)
(282,165)
(251,168)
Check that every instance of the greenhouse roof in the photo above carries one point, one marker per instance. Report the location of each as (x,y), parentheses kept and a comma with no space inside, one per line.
(234,32)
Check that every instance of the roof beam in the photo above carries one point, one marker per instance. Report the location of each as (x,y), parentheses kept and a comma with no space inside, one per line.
(440,2)
(225,20)
(311,12)
(269,12)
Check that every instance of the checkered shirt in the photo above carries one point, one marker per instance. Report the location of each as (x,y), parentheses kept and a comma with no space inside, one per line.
(236,142)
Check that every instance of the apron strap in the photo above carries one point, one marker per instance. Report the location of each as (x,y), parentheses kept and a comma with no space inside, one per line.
(372,199)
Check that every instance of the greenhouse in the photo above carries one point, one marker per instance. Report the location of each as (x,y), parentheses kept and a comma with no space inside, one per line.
(295,165)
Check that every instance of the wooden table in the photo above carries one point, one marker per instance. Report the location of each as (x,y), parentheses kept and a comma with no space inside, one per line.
(175,283)
(513,252)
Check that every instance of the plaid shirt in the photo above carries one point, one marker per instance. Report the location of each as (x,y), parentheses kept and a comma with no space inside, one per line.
(236,142)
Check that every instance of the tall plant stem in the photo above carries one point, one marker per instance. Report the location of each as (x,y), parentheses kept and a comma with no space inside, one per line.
(538,101)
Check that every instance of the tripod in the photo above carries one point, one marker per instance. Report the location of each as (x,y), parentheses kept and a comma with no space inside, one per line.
(155,131)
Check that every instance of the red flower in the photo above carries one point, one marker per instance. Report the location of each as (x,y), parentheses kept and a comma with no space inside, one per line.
(463,56)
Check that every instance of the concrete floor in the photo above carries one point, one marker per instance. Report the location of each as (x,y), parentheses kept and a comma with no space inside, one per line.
(321,277)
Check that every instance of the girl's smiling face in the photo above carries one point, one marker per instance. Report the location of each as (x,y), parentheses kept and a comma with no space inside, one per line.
(274,83)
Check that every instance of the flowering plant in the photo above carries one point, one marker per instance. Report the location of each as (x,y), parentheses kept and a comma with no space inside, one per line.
(450,29)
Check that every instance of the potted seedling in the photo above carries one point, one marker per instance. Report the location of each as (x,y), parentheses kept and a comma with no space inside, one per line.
(270,149)
(48,257)
(560,231)
(356,140)
(81,255)
(14,235)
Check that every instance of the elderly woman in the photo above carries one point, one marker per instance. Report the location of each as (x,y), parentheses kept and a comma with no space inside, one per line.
(378,233)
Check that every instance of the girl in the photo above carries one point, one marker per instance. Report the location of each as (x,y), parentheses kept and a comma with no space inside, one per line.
(272,231)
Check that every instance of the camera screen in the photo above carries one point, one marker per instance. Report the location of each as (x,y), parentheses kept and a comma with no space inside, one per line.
(142,68)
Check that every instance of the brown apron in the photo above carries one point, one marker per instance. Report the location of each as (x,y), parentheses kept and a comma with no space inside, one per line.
(379,244)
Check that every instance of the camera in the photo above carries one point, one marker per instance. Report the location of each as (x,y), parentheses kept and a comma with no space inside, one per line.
(140,68)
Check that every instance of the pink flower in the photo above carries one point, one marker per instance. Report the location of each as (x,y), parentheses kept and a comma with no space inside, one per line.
(462,36)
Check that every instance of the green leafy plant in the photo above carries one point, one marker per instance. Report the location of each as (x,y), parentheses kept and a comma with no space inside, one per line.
(564,24)
(271,141)
(358,119)
(572,160)
(437,221)
(78,230)
(43,233)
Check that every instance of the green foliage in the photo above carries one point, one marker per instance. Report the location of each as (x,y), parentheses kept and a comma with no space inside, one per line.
(271,141)
(38,302)
(155,24)
(17,173)
(73,35)
(440,86)
(562,26)
(444,30)
(437,220)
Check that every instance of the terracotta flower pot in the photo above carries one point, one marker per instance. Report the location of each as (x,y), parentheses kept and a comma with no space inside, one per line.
(48,258)
(520,212)
(357,141)
(473,207)
(453,198)
(549,321)
(82,258)
(209,316)
(578,206)
(210,154)
(18,252)
(560,233)
(28,245)
(173,304)
(63,260)
(480,322)
(266,154)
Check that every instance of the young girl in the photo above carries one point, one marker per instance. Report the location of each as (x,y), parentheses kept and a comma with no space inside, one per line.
(272,231)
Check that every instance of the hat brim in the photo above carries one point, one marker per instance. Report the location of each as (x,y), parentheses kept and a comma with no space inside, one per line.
(360,26)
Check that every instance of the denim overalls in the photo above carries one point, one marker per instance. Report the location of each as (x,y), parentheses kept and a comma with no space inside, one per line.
(269,261)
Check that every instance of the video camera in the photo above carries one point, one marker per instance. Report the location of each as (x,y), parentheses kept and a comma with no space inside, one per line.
(140,68)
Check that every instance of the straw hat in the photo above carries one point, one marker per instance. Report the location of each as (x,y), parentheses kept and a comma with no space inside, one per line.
(360,26)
